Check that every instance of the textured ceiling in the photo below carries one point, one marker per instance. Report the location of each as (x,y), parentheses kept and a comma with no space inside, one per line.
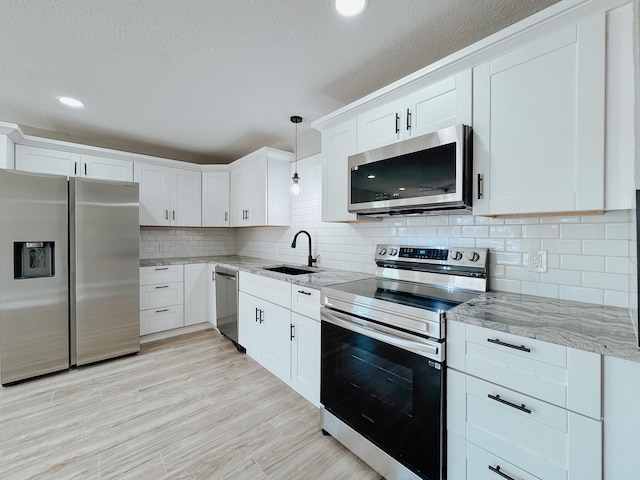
(209,81)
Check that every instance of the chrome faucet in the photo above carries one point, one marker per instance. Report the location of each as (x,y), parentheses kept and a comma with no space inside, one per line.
(310,259)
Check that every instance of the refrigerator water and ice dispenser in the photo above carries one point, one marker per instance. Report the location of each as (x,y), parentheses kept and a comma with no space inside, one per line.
(33,260)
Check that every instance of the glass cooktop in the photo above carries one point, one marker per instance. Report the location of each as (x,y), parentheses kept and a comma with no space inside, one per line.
(427,297)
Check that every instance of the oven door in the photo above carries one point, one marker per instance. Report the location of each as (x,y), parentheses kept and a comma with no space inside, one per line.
(386,389)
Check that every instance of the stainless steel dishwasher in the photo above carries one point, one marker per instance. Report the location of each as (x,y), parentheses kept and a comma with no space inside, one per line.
(227,303)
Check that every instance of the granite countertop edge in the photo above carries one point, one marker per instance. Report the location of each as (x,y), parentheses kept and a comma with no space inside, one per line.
(584,326)
(321,276)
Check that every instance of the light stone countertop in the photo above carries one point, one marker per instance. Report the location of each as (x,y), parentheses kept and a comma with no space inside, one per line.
(320,278)
(584,326)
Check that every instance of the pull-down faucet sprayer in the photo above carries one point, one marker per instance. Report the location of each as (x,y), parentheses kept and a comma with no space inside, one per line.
(310,259)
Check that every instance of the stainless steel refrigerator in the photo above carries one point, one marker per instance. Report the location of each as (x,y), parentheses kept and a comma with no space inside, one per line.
(69,272)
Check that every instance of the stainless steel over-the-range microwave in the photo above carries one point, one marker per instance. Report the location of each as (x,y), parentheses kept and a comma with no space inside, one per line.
(424,174)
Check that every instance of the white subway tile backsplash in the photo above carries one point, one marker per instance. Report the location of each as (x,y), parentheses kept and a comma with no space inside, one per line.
(610,248)
(589,263)
(589,258)
(581,294)
(541,231)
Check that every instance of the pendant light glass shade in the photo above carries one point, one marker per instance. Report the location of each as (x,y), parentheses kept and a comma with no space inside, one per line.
(296,182)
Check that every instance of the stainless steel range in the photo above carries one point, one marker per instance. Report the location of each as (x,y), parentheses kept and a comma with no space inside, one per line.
(383,356)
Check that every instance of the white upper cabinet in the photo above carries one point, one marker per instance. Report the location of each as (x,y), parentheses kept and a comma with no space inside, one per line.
(539,118)
(442,104)
(215,199)
(106,168)
(168,196)
(57,162)
(44,160)
(260,189)
(338,143)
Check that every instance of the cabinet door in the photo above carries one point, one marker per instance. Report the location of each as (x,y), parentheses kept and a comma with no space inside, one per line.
(106,168)
(215,199)
(381,126)
(43,160)
(239,181)
(211,299)
(276,355)
(337,144)
(257,193)
(443,104)
(186,198)
(305,357)
(160,319)
(250,331)
(196,293)
(539,125)
(154,193)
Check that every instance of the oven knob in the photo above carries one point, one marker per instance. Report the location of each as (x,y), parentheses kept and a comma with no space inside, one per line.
(456,255)
(393,251)
(382,251)
(473,257)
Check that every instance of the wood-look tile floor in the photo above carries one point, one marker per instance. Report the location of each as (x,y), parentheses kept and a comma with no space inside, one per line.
(189,407)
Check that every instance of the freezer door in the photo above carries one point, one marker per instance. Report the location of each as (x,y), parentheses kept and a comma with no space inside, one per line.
(105,263)
(34,289)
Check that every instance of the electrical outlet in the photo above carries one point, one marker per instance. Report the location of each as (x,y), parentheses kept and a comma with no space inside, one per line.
(537,260)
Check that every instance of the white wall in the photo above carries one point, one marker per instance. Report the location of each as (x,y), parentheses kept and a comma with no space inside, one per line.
(590,258)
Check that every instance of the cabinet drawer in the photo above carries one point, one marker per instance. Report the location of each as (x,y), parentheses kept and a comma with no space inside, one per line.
(482,465)
(161,274)
(270,289)
(276,291)
(539,438)
(250,283)
(559,375)
(160,319)
(306,301)
(161,295)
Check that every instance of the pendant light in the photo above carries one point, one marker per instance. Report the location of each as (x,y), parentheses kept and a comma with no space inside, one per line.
(296,181)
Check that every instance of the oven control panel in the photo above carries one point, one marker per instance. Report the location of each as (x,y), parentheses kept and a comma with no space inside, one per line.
(455,256)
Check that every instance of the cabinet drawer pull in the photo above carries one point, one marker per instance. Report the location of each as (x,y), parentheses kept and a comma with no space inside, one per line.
(303,292)
(75,168)
(257,314)
(166,214)
(162,268)
(226,216)
(480,187)
(408,119)
(397,123)
(502,474)
(522,407)
(292,332)
(163,310)
(522,348)
(261,316)
(85,169)
(163,286)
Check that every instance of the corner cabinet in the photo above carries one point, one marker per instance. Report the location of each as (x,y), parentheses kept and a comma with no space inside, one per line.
(215,199)
(539,124)
(521,408)
(260,189)
(169,196)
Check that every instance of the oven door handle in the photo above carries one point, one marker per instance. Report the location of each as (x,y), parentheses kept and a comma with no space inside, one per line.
(416,347)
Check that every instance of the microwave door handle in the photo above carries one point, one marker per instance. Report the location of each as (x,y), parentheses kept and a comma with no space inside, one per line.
(419,348)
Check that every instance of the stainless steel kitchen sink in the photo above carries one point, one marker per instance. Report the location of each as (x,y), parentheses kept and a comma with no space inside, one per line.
(288,270)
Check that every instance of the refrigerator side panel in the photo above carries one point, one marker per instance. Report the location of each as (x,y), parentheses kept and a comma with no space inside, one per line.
(34,293)
(105,238)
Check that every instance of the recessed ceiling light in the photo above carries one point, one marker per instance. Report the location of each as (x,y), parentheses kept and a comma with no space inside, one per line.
(371,176)
(349,8)
(71,102)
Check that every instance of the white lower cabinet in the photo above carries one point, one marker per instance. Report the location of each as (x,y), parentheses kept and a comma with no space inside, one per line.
(279,325)
(521,408)
(161,298)
(196,293)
